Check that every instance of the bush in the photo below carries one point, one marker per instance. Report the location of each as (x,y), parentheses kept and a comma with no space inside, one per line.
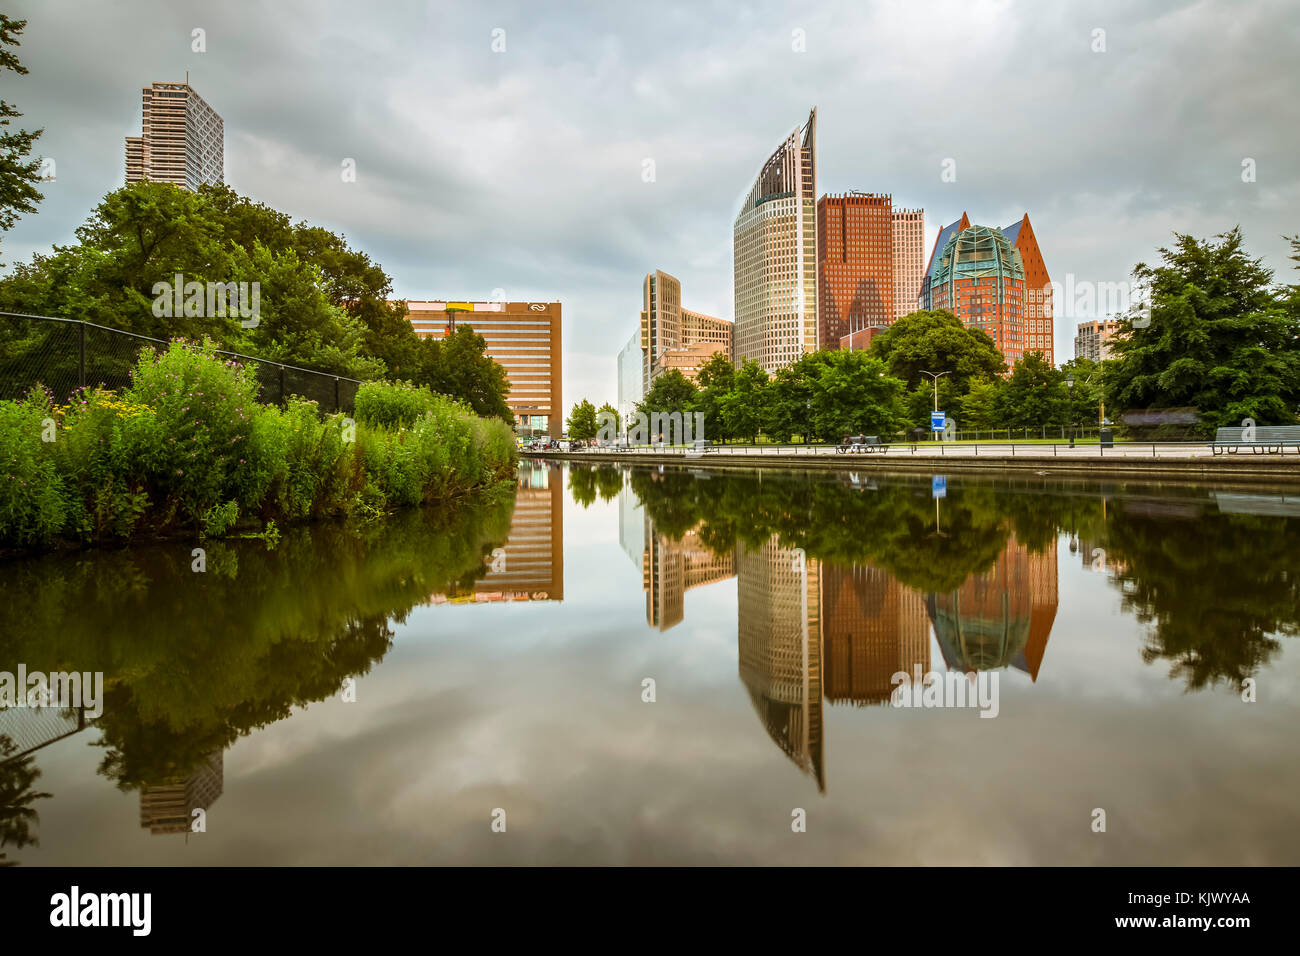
(32,503)
(187,445)
(393,404)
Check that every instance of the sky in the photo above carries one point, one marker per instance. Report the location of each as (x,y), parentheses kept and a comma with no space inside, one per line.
(503,146)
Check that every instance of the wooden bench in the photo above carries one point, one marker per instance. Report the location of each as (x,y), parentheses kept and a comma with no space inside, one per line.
(1266,440)
(862,444)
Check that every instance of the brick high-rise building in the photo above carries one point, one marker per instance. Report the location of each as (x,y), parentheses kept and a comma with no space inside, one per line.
(909,259)
(181,141)
(524,337)
(775,252)
(1038,333)
(994,280)
(855,265)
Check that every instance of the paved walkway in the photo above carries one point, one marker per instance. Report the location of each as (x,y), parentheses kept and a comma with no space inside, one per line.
(925,450)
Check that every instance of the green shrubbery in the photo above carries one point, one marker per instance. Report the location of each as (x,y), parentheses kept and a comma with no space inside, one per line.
(187,445)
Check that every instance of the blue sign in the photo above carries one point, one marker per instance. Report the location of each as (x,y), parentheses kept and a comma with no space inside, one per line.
(937,420)
(939,486)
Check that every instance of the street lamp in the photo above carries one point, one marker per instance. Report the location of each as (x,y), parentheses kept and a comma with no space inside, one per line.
(1069,385)
(936,378)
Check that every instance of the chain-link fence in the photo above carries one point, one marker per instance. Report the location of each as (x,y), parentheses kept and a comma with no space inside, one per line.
(67,354)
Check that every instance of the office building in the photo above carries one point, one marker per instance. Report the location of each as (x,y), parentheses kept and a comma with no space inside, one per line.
(855,265)
(775,253)
(631,376)
(524,337)
(1092,339)
(909,260)
(994,280)
(673,337)
(181,141)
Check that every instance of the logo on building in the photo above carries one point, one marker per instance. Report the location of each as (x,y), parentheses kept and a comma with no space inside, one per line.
(537,307)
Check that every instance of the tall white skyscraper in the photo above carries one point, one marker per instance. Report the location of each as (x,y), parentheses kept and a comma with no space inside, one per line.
(775,246)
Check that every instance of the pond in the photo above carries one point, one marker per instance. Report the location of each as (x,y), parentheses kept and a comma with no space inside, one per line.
(678,666)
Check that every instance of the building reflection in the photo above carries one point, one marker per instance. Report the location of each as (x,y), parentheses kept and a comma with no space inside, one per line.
(670,568)
(811,632)
(530,565)
(874,627)
(168,807)
(780,649)
(1001,617)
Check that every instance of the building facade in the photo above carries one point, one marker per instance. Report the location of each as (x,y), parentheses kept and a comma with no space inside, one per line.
(524,337)
(181,141)
(630,376)
(976,274)
(775,256)
(909,259)
(855,265)
(994,280)
(1092,339)
(673,337)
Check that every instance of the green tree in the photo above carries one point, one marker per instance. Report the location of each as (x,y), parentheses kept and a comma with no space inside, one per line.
(743,408)
(459,366)
(716,378)
(936,341)
(1219,337)
(1086,392)
(979,409)
(18,174)
(609,410)
(1034,395)
(671,394)
(582,421)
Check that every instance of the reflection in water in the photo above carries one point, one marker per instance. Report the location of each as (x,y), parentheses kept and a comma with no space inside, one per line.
(840,584)
(530,565)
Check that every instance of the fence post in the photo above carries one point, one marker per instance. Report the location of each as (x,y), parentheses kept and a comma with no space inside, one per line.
(281,384)
(338,405)
(81,355)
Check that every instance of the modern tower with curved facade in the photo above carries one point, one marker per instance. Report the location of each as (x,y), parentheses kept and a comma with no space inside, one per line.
(775,246)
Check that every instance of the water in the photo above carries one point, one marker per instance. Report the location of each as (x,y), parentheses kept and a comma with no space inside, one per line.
(498,654)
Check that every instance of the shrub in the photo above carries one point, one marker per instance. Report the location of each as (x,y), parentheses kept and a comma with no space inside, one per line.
(32,494)
(393,404)
(205,408)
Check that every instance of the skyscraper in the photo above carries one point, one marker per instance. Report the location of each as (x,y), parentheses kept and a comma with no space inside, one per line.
(977,274)
(524,337)
(995,280)
(775,251)
(1092,339)
(855,265)
(673,336)
(909,259)
(181,141)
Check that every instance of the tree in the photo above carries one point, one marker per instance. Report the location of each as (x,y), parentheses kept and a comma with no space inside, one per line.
(1087,392)
(743,408)
(18,174)
(671,394)
(852,394)
(936,341)
(1218,337)
(1034,395)
(459,366)
(979,409)
(715,379)
(613,416)
(582,421)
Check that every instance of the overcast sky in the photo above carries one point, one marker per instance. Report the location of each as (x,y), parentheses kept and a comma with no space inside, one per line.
(522,170)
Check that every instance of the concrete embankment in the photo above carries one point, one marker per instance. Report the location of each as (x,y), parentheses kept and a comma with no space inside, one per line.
(1274,471)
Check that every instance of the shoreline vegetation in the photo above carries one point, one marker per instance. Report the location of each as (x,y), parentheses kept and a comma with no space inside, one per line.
(186,448)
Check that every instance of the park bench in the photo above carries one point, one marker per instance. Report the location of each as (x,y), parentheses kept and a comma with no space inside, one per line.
(1265,440)
(862,444)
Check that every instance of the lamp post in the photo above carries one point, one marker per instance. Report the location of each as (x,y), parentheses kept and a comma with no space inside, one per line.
(936,377)
(1069,388)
